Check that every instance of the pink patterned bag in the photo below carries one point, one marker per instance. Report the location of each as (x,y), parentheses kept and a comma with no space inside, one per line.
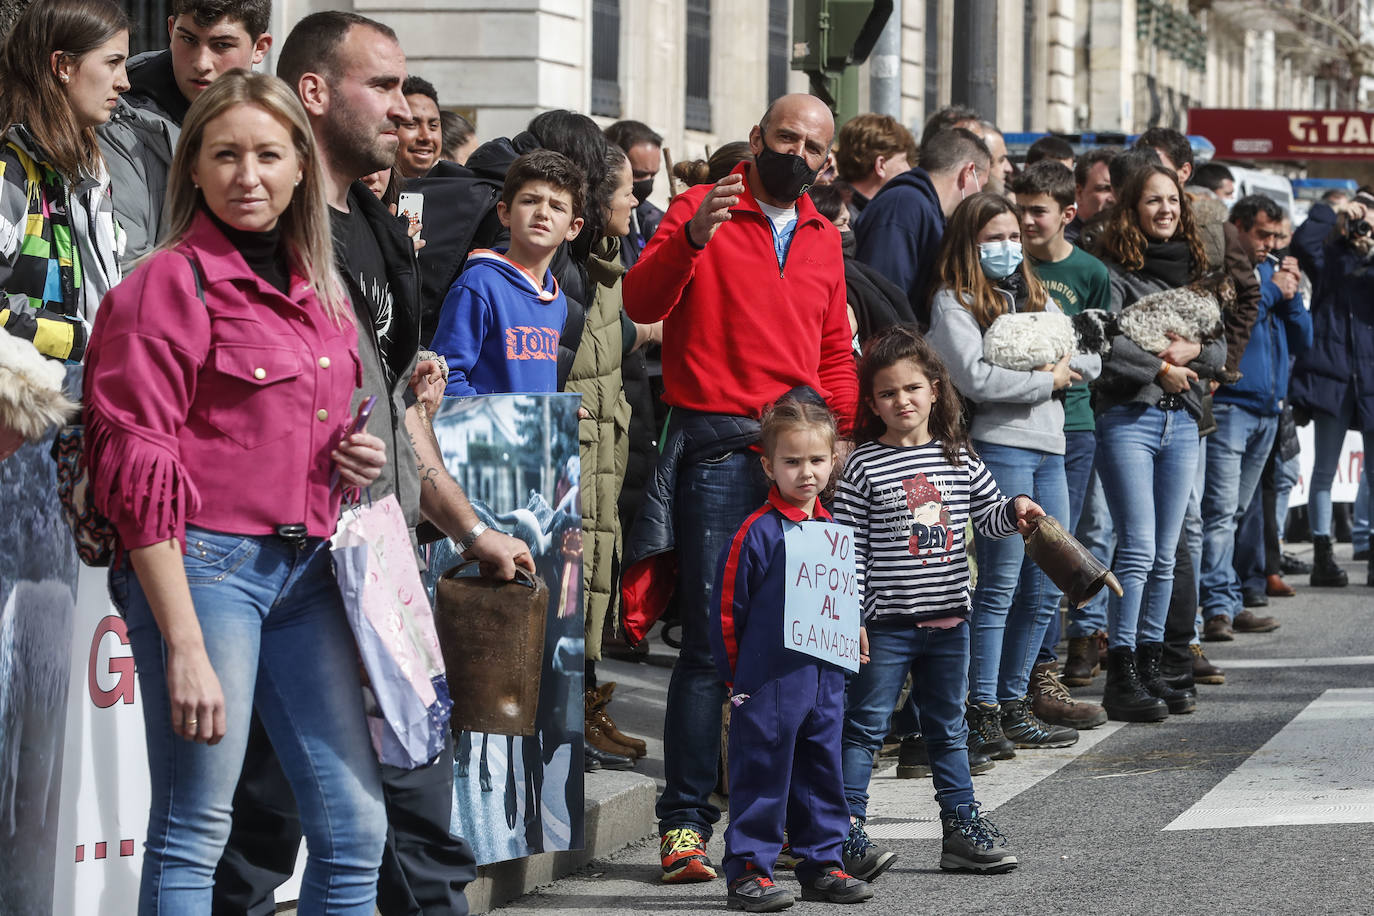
(391,618)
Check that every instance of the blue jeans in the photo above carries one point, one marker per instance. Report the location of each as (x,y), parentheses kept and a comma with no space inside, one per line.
(1286,477)
(937,661)
(1079,447)
(713,499)
(1192,536)
(1096,533)
(1328,435)
(1236,456)
(276,634)
(1147,458)
(1014,600)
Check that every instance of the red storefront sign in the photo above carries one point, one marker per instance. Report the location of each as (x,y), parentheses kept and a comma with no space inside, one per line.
(1246,133)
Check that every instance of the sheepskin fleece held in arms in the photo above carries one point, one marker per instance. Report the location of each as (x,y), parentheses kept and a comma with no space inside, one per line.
(1184,311)
(31,398)
(1026,340)
(1015,408)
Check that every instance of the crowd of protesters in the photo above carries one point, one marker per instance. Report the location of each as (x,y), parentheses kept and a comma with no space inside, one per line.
(223,251)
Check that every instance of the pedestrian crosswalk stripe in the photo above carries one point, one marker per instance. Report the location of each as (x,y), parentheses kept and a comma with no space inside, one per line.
(1323,661)
(905,809)
(1316,770)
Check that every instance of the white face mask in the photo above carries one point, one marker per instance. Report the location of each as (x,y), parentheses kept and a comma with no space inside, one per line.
(963,192)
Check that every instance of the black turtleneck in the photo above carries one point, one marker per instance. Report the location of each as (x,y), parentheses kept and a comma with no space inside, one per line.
(263,251)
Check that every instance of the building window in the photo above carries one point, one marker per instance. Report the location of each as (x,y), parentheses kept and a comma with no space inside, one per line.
(698,110)
(779,56)
(149,18)
(606,58)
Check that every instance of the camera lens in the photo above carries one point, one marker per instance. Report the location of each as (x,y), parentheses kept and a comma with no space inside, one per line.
(1359,228)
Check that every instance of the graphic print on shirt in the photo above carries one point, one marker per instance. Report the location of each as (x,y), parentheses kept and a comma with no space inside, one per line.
(531,343)
(930,525)
(378,292)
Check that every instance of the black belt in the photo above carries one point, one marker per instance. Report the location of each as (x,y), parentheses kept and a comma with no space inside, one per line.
(295,535)
(1170,402)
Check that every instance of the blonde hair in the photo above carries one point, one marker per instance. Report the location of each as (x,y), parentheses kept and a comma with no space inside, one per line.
(305,228)
(791,413)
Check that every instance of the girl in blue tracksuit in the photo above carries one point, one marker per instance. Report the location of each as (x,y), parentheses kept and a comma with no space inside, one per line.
(787,707)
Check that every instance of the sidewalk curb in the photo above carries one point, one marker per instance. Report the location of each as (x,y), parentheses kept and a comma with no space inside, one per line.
(620,811)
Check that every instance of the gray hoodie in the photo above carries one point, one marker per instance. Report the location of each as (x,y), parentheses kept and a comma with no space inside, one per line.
(138,145)
(1014,408)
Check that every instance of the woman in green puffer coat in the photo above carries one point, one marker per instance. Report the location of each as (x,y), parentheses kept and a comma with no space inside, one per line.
(604,428)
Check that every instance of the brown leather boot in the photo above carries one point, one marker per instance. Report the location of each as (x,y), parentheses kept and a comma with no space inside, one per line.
(1081,665)
(596,712)
(597,738)
(1204,672)
(1052,703)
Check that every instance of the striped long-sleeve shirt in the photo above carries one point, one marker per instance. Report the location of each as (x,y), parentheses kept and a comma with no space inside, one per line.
(909,508)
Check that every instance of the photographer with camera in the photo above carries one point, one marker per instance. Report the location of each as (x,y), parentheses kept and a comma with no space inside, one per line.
(1335,247)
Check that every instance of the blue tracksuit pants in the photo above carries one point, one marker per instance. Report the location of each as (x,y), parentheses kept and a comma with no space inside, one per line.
(785,772)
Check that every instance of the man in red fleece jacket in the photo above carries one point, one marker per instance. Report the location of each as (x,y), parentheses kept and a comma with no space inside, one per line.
(749,281)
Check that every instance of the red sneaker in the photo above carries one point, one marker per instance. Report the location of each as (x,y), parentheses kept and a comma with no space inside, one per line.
(683,854)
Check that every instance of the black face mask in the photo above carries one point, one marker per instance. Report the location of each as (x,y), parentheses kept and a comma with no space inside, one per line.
(642,190)
(848,244)
(785,176)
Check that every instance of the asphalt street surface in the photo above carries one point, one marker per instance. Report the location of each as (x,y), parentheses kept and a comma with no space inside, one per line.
(1257,803)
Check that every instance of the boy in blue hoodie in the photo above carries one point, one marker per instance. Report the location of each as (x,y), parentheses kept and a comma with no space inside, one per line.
(499,325)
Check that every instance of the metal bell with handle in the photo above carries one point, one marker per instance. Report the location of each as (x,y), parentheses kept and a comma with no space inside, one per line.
(1078,573)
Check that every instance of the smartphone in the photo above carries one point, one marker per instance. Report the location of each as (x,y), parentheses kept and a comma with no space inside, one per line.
(412,207)
(359,425)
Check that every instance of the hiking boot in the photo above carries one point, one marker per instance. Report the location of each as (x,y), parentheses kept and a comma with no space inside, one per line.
(1253,597)
(1100,637)
(1021,727)
(1326,572)
(1247,622)
(1148,656)
(912,760)
(1051,701)
(1124,697)
(1275,587)
(682,852)
(1292,565)
(863,858)
(1204,672)
(1081,664)
(787,859)
(836,886)
(596,700)
(985,731)
(1217,629)
(755,892)
(973,843)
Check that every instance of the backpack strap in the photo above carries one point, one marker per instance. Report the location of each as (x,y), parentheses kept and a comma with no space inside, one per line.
(195,272)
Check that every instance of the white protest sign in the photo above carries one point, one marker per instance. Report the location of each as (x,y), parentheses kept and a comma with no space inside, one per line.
(821,603)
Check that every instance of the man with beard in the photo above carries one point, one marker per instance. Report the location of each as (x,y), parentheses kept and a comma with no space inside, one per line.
(747,332)
(348,71)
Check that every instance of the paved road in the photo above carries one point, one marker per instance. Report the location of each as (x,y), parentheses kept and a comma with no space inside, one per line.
(1257,803)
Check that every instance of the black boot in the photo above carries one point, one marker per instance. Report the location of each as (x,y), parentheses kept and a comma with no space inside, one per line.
(1325,572)
(1369,570)
(1125,698)
(1148,655)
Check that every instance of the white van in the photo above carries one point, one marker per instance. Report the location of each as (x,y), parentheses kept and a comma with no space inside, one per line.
(1272,185)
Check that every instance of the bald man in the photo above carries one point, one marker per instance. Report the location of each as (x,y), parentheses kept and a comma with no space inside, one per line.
(749,281)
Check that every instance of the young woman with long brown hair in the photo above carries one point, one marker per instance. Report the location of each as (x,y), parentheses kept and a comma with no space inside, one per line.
(62,70)
(1147,436)
(1018,431)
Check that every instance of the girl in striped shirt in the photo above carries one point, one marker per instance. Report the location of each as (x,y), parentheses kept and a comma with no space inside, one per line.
(908,491)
